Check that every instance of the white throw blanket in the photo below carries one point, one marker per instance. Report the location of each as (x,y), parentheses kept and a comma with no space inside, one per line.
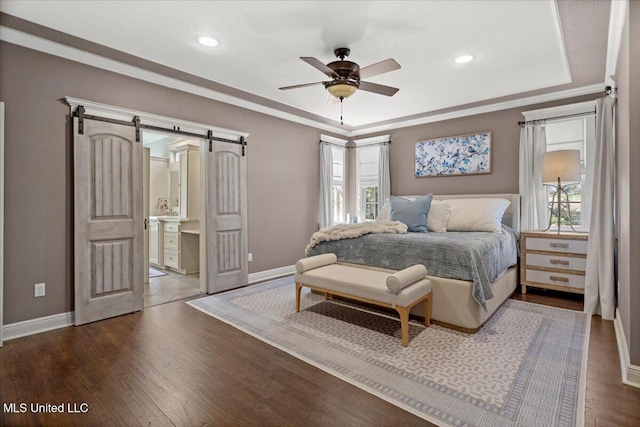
(350,231)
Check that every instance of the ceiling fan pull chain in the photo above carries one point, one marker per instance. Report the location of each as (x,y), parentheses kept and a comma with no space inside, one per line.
(341,110)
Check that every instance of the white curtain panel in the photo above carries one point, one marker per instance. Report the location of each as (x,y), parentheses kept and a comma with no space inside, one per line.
(325,206)
(599,280)
(586,186)
(384,177)
(534,203)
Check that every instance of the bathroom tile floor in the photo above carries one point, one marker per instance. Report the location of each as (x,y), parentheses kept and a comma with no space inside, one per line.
(173,286)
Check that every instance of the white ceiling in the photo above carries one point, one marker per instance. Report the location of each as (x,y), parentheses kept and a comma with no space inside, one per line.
(518,46)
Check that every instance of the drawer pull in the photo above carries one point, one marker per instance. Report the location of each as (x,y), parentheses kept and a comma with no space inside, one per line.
(559,262)
(559,245)
(559,279)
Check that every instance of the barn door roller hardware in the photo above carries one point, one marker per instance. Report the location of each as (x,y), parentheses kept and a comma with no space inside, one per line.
(135,121)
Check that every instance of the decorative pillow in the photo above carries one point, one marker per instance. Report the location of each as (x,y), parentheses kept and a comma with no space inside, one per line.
(477,214)
(385,213)
(438,217)
(413,213)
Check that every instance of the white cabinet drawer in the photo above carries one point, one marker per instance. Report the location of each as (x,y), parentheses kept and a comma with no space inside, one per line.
(172,227)
(171,258)
(556,245)
(554,278)
(556,261)
(172,241)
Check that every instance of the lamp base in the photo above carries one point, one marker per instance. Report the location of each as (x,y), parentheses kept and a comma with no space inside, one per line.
(559,191)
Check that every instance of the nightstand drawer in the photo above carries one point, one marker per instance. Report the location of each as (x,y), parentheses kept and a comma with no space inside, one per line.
(553,278)
(556,245)
(172,227)
(171,259)
(556,261)
(172,241)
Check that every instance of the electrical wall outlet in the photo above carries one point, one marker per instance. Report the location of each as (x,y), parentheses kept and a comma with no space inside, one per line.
(39,290)
(250,257)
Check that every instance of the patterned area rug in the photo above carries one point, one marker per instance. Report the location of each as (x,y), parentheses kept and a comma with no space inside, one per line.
(525,367)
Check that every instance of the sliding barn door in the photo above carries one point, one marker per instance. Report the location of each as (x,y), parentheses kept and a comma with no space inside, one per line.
(108,220)
(226,227)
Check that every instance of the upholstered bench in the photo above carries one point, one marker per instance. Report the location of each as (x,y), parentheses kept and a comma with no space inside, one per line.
(401,290)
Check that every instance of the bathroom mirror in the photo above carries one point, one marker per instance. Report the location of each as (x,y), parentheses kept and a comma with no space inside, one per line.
(174,189)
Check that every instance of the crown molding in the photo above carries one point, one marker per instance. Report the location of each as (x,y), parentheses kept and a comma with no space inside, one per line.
(30,41)
(560,35)
(515,103)
(617,20)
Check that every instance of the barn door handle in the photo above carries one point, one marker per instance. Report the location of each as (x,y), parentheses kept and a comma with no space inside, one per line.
(145,223)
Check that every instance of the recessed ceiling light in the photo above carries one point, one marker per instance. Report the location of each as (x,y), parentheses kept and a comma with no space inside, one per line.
(464,58)
(208,41)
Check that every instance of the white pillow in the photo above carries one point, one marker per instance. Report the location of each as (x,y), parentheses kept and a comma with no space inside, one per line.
(438,217)
(477,214)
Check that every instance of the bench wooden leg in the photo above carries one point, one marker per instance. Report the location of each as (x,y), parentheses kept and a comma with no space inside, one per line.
(298,289)
(327,296)
(404,324)
(427,311)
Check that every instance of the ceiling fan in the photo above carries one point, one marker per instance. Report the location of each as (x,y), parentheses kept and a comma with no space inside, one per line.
(346,76)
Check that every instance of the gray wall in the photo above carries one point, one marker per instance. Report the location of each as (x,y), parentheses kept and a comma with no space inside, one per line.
(504,152)
(628,153)
(282,168)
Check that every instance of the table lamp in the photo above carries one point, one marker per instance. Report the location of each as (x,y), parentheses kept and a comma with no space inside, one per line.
(558,168)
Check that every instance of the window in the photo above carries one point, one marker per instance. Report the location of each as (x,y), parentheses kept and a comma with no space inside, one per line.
(573,134)
(337,194)
(367,159)
(369,197)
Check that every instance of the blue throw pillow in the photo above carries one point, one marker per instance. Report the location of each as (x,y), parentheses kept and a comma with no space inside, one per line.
(413,213)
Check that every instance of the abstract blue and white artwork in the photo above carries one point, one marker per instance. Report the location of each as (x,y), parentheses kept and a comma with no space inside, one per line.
(454,155)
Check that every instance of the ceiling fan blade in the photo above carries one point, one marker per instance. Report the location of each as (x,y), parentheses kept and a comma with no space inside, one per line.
(333,100)
(297,86)
(379,68)
(376,88)
(319,65)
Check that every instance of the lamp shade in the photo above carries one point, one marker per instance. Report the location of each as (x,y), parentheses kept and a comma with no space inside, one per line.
(562,164)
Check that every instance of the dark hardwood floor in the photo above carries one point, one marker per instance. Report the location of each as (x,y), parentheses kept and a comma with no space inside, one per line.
(173,365)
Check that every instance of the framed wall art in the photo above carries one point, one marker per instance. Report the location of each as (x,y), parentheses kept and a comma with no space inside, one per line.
(454,155)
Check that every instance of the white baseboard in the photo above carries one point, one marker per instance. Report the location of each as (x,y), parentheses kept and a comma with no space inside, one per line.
(630,373)
(56,321)
(271,274)
(35,326)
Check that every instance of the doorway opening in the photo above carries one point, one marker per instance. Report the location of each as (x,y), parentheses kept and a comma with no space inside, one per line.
(173,199)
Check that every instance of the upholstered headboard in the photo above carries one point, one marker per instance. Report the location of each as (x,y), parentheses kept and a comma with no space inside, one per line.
(511,217)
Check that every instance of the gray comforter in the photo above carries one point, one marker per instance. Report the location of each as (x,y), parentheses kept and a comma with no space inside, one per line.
(472,256)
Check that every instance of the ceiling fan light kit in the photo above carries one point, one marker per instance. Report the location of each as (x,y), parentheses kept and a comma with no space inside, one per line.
(345,76)
(341,89)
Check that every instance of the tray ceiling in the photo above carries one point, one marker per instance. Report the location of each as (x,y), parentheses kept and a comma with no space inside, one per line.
(519,46)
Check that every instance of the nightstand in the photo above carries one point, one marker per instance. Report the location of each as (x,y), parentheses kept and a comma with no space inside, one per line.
(553,261)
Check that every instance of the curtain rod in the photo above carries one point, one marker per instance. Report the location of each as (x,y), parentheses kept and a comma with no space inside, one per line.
(608,90)
(588,113)
(373,144)
(356,147)
(332,143)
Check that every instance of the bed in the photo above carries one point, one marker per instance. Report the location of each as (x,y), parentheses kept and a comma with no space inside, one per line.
(472,273)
